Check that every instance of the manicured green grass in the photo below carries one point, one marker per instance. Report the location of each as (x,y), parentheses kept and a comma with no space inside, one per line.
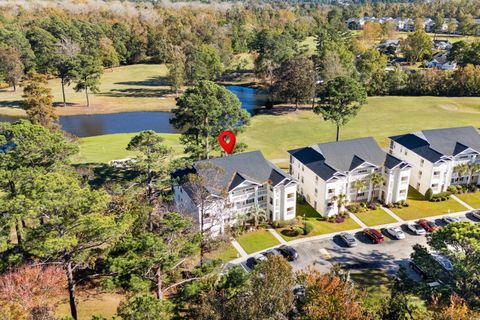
(257,240)
(319,227)
(419,207)
(140,87)
(375,217)
(102,149)
(382,117)
(90,304)
(472,199)
(224,253)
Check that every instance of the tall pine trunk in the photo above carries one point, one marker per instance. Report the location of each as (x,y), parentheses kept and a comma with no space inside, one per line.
(86,95)
(63,93)
(71,291)
(338,132)
(159,284)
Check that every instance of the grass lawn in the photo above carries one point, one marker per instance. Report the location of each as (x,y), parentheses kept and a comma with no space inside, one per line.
(225,253)
(101,149)
(382,117)
(472,199)
(375,217)
(319,227)
(419,207)
(140,87)
(257,240)
(92,303)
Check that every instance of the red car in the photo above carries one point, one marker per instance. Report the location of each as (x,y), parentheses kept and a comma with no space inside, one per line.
(374,235)
(429,226)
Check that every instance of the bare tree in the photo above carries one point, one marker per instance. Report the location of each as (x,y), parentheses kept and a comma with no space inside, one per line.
(209,193)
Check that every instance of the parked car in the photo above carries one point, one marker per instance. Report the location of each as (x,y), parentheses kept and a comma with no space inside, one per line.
(349,239)
(272,252)
(396,232)
(418,270)
(374,235)
(288,252)
(443,261)
(253,261)
(449,220)
(475,214)
(416,228)
(429,226)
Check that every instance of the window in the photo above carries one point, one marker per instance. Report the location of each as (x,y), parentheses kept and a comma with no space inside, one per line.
(392,144)
(402,192)
(361,194)
(302,180)
(419,174)
(303,168)
(331,190)
(290,195)
(404,178)
(362,171)
(436,173)
(422,162)
(250,201)
(292,161)
(261,198)
(435,186)
(290,209)
(316,191)
(405,151)
(316,178)
(271,201)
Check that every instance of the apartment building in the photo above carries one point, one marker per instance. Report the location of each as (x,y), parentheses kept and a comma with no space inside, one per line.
(328,171)
(434,154)
(246,180)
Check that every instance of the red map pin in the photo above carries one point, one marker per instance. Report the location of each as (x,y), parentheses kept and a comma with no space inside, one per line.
(227,141)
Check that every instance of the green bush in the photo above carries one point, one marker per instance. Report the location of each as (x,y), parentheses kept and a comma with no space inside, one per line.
(297,230)
(429,194)
(307,228)
(452,189)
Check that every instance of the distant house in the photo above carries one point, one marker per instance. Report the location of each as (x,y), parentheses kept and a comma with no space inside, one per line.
(433,155)
(440,61)
(246,180)
(389,47)
(442,45)
(326,171)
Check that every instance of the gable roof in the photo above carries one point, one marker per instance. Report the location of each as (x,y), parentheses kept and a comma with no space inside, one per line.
(327,159)
(241,167)
(436,143)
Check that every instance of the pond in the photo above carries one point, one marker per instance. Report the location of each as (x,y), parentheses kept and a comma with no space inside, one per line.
(125,122)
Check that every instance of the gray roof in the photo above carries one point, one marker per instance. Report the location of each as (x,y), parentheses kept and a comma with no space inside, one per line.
(326,159)
(237,168)
(435,143)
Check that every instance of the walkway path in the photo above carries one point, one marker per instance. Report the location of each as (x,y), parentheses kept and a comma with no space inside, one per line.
(466,205)
(392,214)
(239,249)
(277,236)
(357,220)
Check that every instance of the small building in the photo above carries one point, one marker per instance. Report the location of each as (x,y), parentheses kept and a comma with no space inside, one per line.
(246,180)
(328,171)
(433,155)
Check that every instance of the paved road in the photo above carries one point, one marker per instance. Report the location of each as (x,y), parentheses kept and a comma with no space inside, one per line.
(388,256)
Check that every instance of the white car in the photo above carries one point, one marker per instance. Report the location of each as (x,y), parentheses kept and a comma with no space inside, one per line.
(416,228)
(396,232)
(475,214)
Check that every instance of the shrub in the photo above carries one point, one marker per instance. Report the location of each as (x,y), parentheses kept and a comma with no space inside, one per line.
(452,189)
(307,228)
(372,206)
(300,199)
(297,230)
(363,205)
(429,194)
(292,232)
(339,219)
(331,219)
(406,204)
(284,223)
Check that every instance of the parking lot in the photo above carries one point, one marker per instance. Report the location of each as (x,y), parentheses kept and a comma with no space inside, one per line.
(387,256)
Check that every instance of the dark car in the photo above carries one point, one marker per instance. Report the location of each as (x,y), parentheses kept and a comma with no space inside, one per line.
(429,226)
(374,235)
(253,261)
(288,252)
(418,270)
